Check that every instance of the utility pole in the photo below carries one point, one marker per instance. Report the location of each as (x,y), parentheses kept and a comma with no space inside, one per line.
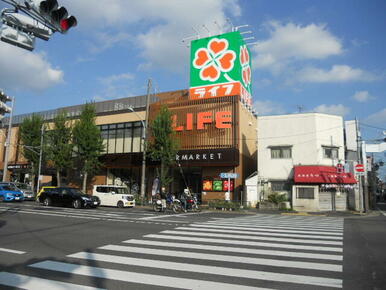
(359,160)
(40,157)
(143,181)
(8,142)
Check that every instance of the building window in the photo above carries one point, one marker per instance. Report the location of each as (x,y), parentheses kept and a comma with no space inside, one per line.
(330,152)
(281,152)
(280,186)
(122,137)
(305,193)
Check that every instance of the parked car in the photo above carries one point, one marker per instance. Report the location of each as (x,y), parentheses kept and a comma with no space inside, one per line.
(44,188)
(26,189)
(10,193)
(68,196)
(113,195)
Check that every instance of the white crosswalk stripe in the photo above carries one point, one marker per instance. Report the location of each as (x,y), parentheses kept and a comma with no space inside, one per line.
(252,252)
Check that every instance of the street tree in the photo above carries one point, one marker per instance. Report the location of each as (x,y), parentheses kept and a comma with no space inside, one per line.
(163,145)
(88,145)
(60,146)
(30,136)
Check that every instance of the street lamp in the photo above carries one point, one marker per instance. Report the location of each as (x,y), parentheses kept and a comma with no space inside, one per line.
(144,151)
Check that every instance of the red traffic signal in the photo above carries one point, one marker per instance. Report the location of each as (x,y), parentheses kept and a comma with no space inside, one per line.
(56,16)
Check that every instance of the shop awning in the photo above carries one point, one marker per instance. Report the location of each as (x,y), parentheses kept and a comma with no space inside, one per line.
(322,174)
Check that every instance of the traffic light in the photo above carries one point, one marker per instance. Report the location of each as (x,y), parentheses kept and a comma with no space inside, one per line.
(55,15)
(3,107)
(16,37)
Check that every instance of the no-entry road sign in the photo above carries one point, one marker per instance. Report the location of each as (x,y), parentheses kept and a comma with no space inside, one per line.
(359,168)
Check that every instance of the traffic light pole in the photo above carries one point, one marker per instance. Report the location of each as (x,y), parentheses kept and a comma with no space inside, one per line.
(7,143)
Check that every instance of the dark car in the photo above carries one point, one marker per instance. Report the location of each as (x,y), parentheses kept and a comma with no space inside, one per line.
(68,196)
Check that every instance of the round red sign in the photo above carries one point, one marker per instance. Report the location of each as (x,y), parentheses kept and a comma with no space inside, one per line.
(359,168)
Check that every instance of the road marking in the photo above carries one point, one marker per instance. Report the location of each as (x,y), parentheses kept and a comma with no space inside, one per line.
(236,242)
(232,249)
(224,258)
(264,229)
(230,272)
(12,251)
(81,215)
(34,283)
(134,277)
(301,241)
(261,233)
(278,226)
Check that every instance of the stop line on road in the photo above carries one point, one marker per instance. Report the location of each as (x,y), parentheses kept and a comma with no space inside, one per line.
(250,252)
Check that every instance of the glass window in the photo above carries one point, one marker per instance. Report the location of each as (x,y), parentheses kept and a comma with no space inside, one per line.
(305,193)
(105,138)
(119,143)
(330,152)
(280,186)
(281,152)
(128,140)
(137,139)
(111,142)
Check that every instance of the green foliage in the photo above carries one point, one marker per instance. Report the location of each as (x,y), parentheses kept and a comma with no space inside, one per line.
(88,143)
(277,198)
(60,147)
(163,145)
(223,204)
(30,137)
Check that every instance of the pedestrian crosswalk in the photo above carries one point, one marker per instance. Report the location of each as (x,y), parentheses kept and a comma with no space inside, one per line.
(95,214)
(249,252)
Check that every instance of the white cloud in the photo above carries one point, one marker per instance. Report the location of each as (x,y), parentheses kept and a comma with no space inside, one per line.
(24,70)
(378,118)
(290,42)
(362,96)
(337,74)
(116,78)
(169,20)
(115,86)
(264,108)
(339,110)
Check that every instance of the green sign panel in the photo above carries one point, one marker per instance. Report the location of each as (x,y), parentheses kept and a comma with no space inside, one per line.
(220,66)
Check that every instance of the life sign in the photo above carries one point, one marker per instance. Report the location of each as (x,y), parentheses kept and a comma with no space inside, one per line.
(222,120)
(220,66)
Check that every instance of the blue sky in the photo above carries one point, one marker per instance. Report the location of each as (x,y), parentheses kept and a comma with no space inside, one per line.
(322,55)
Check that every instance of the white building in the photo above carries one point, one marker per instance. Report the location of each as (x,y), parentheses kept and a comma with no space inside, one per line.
(314,143)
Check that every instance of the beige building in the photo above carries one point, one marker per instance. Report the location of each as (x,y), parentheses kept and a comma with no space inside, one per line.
(217,135)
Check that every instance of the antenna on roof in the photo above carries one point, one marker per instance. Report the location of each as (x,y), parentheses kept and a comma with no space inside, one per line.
(206,28)
(230,22)
(218,26)
(300,108)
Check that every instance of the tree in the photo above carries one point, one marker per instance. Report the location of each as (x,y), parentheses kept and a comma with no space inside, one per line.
(88,144)
(60,145)
(30,136)
(163,145)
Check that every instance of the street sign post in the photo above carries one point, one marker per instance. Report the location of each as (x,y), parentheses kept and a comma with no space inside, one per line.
(229,176)
(359,169)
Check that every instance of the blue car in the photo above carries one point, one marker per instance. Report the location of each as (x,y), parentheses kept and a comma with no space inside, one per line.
(10,193)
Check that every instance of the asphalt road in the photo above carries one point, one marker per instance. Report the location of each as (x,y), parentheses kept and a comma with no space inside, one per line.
(109,248)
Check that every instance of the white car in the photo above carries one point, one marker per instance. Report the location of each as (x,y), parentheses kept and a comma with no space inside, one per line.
(112,195)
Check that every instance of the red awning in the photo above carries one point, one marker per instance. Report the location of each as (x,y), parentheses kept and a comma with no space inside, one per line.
(322,174)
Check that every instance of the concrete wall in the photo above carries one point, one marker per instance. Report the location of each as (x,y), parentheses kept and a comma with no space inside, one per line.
(305,204)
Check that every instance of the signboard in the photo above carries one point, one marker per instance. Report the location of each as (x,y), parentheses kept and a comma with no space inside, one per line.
(217,185)
(220,66)
(359,168)
(229,175)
